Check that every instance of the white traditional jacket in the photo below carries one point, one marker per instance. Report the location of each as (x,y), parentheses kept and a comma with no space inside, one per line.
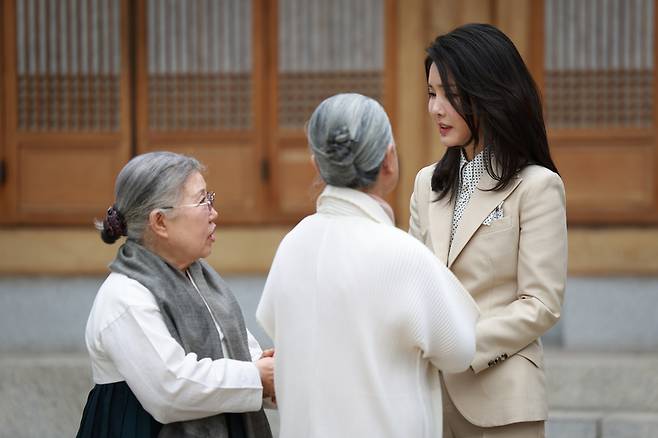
(128,340)
(362,315)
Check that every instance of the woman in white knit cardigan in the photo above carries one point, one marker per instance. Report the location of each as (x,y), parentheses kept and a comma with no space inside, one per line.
(361,314)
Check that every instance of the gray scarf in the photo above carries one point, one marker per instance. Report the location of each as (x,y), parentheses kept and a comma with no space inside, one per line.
(189,322)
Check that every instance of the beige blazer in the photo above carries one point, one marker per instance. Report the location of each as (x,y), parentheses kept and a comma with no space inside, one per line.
(515,269)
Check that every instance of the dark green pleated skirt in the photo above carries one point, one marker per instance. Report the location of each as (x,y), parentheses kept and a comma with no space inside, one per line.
(112,411)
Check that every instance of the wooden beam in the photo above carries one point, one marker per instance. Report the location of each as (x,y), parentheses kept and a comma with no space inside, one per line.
(514,18)
(8,65)
(80,251)
(613,251)
(411,114)
(239,250)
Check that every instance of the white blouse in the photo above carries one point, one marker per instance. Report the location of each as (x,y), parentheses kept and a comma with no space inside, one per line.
(128,340)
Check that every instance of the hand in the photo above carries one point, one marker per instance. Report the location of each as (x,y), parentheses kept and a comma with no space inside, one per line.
(265,367)
(267,353)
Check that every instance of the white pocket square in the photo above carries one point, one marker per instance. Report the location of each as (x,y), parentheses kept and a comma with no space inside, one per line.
(495,215)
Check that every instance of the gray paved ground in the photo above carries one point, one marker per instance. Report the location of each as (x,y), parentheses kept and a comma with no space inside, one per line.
(601,361)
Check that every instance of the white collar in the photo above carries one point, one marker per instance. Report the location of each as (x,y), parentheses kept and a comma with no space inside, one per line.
(350,202)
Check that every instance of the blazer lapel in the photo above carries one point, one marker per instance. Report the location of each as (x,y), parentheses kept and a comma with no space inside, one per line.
(482,202)
(440,223)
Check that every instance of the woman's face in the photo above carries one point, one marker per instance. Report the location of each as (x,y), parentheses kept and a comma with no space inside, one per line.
(452,127)
(191,224)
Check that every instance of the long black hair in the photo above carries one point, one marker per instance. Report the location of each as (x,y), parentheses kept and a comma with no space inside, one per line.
(496,96)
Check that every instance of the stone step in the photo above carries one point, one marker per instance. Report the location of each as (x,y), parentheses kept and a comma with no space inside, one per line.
(602,381)
(43,395)
(590,395)
(573,424)
(587,424)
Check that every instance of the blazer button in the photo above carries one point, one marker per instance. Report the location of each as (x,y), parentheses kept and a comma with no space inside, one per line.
(491,363)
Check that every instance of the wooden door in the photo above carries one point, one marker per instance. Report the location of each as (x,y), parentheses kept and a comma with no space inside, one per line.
(200,87)
(320,48)
(599,84)
(67,126)
(234,82)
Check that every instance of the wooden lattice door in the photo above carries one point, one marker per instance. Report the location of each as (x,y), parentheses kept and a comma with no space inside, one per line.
(233,83)
(66,97)
(89,83)
(599,82)
(320,48)
(199,91)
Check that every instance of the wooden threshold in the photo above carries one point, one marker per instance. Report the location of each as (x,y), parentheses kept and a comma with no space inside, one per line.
(76,251)
(601,251)
(608,251)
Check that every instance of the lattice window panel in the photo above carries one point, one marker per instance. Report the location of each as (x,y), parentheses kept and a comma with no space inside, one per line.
(599,63)
(327,47)
(68,65)
(199,65)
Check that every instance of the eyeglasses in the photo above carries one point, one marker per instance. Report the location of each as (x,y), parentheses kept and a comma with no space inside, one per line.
(208,200)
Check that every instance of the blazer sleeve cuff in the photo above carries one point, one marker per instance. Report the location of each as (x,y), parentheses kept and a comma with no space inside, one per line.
(480,363)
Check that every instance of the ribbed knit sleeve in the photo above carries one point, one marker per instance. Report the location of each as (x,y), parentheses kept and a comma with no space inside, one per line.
(360,314)
(442,315)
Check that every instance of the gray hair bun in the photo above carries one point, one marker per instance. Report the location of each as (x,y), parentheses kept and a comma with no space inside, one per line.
(349,134)
(340,146)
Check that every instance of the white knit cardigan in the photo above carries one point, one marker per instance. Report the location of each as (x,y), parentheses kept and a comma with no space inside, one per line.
(362,315)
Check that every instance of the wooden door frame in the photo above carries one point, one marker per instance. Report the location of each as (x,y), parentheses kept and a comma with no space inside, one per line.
(261,101)
(390,100)
(9,117)
(655,106)
(3,162)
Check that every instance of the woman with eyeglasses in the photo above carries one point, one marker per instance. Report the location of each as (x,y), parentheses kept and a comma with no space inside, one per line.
(170,353)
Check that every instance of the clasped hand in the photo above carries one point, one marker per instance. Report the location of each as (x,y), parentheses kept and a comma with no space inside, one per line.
(265,367)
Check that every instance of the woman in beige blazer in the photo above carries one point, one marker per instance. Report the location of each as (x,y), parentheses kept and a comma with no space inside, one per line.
(493,210)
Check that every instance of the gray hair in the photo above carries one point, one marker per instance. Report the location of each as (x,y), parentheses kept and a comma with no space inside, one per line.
(349,135)
(148,182)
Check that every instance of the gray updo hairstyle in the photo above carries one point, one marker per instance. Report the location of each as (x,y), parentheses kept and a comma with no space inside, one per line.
(349,135)
(148,182)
